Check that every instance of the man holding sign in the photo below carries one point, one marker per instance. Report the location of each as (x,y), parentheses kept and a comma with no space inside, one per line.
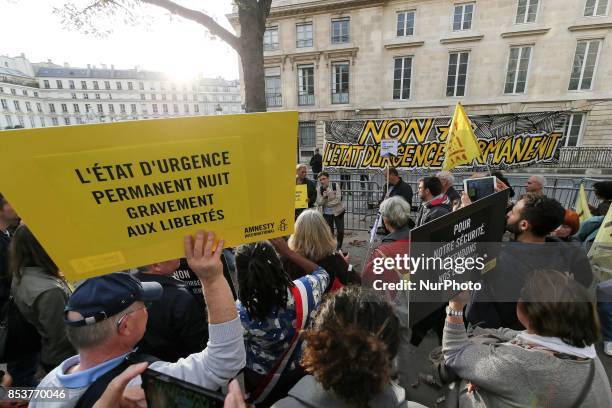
(302,181)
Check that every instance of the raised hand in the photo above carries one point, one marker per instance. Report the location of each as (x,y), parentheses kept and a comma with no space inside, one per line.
(201,258)
(281,246)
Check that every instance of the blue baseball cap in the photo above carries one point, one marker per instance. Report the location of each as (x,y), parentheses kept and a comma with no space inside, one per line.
(99,298)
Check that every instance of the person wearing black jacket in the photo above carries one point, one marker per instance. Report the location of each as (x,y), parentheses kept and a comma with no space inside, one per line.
(177,324)
(311,187)
(397,187)
(316,163)
(531,220)
(434,204)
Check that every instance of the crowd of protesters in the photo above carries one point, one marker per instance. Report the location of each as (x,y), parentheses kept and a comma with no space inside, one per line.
(300,328)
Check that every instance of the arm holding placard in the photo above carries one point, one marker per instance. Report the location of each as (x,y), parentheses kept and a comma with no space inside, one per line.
(225,354)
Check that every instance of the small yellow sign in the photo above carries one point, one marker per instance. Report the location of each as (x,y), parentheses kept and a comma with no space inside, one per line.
(301,196)
(102,198)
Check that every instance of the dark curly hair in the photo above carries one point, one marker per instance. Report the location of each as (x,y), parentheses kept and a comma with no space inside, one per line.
(544,214)
(262,280)
(352,343)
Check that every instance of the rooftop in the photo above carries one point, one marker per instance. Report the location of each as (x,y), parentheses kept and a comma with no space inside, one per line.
(71,72)
(13,72)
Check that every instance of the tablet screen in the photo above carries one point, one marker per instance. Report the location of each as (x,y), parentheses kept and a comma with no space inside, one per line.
(164,391)
(480,187)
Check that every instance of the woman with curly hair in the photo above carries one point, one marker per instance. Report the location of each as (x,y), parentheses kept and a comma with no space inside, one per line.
(273,309)
(349,355)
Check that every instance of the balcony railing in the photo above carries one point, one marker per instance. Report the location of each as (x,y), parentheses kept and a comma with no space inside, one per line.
(586,157)
(306,99)
(274,101)
(340,97)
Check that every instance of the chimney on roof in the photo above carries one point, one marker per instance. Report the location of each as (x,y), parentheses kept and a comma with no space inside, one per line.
(22,55)
(66,65)
(88,66)
(103,66)
(113,66)
(49,61)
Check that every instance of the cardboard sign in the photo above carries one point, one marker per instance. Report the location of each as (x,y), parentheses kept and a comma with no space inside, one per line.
(102,198)
(388,147)
(472,232)
(301,196)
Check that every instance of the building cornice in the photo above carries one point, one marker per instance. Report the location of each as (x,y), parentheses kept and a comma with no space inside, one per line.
(349,53)
(467,38)
(410,44)
(313,7)
(521,33)
(592,26)
(313,56)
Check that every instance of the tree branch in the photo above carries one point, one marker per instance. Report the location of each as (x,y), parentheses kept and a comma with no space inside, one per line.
(200,18)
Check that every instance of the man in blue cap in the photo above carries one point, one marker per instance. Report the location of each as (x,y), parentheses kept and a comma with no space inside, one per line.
(106,317)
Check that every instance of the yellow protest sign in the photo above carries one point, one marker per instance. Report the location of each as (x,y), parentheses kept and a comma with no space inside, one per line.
(102,198)
(301,196)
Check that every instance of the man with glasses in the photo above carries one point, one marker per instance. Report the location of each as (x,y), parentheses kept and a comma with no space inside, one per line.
(106,317)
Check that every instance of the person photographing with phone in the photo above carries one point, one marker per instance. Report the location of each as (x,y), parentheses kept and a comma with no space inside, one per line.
(329,198)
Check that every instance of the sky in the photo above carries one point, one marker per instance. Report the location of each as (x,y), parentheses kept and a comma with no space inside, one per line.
(173,45)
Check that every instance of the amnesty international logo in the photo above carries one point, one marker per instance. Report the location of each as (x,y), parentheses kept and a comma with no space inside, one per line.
(282,225)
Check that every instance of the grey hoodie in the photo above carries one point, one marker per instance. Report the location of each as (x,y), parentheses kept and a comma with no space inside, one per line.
(309,393)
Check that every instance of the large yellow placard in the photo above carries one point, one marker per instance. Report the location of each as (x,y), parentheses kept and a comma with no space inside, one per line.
(107,197)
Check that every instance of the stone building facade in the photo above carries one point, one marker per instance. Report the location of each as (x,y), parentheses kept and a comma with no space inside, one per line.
(46,94)
(354,59)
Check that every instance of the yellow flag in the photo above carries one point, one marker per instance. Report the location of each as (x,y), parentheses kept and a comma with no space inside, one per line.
(600,253)
(582,205)
(461,145)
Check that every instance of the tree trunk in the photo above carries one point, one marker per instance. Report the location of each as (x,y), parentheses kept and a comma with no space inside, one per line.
(252,27)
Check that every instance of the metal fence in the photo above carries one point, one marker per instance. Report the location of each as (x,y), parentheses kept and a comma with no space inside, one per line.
(361,192)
